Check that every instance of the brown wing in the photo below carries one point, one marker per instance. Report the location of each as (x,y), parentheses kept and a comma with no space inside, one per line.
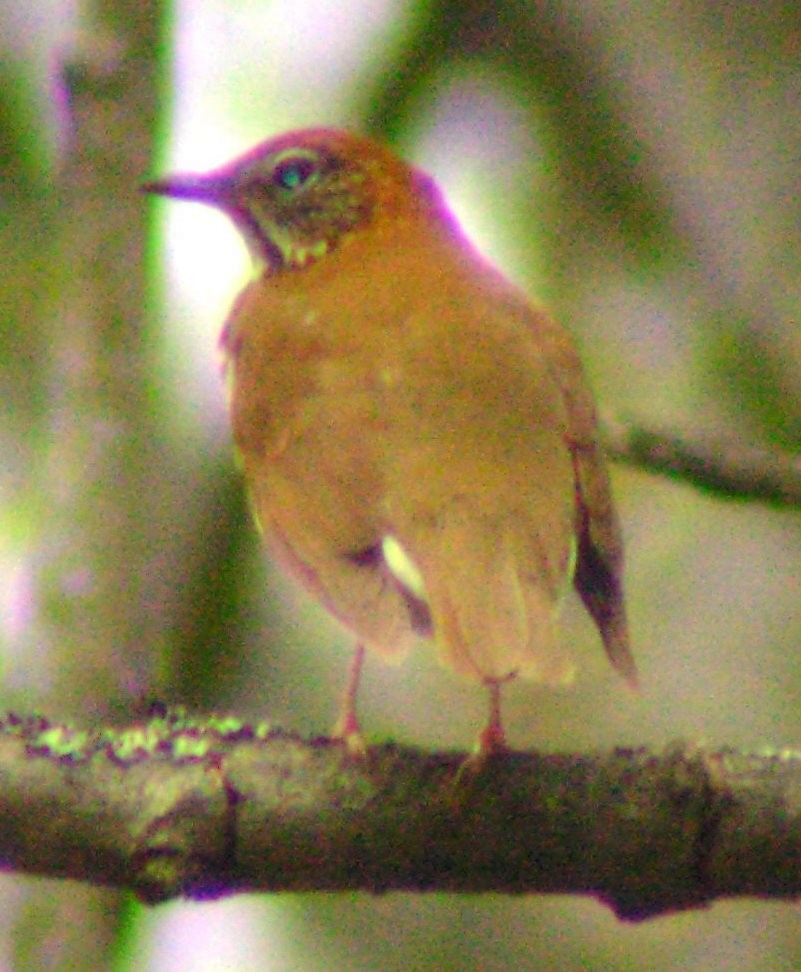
(599,565)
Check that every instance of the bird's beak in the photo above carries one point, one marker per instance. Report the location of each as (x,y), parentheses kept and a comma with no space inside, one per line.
(213,189)
(224,192)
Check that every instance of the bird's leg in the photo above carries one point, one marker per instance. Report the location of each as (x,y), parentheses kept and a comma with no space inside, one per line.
(346,728)
(492,738)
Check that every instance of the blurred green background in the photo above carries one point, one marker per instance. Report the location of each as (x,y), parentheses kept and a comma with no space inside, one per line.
(635,166)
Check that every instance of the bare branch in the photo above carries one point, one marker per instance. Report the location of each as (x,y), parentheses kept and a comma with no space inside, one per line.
(176,807)
(722,466)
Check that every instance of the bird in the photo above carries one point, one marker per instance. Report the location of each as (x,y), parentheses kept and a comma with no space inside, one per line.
(418,437)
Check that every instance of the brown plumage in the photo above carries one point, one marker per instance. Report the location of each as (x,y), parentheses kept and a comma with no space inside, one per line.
(419,440)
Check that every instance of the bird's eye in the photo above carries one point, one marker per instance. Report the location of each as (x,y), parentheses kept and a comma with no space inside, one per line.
(291,174)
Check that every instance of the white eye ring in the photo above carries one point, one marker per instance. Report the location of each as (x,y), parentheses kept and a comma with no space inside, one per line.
(293,172)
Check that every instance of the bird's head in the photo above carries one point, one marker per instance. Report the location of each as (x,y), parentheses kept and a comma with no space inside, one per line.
(294,198)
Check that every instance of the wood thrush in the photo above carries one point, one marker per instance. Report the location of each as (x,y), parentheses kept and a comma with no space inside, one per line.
(419,440)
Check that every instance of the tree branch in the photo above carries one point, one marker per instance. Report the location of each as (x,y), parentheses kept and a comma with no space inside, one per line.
(722,466)
(179,807)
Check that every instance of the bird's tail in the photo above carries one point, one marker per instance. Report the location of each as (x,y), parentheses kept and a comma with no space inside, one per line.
(489,621)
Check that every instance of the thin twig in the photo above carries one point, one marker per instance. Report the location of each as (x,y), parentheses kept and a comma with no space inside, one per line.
(720,466)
